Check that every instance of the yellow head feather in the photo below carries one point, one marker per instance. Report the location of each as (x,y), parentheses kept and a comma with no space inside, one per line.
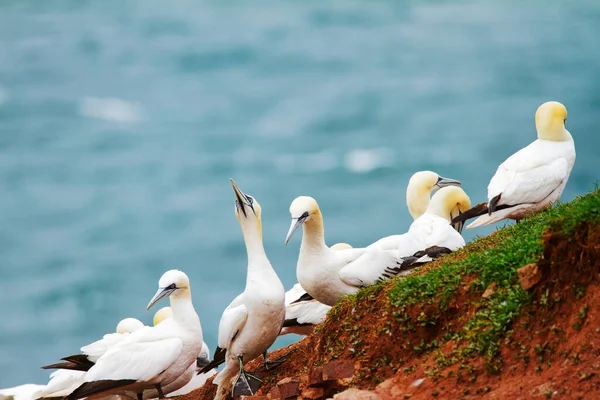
(550,120)
(162,314)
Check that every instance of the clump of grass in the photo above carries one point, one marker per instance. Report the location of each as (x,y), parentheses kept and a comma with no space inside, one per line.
(510,249)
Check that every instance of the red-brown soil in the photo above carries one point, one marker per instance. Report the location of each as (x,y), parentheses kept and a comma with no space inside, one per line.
(553,350)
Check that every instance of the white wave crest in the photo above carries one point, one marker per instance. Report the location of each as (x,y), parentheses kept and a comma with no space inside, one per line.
(363,160)
(110,109)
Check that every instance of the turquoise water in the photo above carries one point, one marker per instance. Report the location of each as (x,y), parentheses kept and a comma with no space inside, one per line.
(120,125)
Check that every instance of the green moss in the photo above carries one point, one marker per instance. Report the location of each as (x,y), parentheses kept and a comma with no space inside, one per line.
(491,260)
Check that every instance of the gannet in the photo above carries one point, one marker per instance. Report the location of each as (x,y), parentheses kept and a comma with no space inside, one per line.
(429,235)
(420,187)
(533,178)
(28,391)
(152,357)
(64,381)
(253,320)
(318,266)
(302,312)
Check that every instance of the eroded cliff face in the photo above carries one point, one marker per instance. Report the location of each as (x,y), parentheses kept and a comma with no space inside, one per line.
(466,341)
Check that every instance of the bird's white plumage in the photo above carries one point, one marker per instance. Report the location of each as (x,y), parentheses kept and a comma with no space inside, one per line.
(142,358)
(534,177)
(96,349)
(28,391)
(426,231)
(232,322)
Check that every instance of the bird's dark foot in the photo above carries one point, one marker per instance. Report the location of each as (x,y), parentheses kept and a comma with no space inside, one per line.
(246,384)
(269,365)
(161,395)
(140,396)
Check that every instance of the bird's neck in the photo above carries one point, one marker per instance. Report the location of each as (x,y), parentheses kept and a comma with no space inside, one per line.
(313,235)
(259,267)
(183,309)
(417,200)
(254,246)
(554,132)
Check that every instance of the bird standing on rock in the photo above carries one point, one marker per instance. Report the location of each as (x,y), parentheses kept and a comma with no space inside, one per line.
(533,178)
(253,320)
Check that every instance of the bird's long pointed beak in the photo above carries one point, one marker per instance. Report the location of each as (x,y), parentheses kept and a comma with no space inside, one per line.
(160,294)
(239,195)
(296,222)
(442,182)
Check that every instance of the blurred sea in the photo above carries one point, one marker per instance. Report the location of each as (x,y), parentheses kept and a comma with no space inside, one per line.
(121,122)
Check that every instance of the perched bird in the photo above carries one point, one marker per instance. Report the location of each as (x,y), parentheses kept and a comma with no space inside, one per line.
(429,236)
(64,381)
(152,357)
(253,320)
(302,312)
(319,266)
(420,187)
(533,178)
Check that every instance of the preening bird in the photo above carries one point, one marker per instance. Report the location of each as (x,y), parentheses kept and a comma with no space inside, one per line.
(420,187)
(253,320)
(533,178)
(152,357)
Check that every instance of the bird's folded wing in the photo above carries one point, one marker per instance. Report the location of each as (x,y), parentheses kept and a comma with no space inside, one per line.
(294,294)
(527,185)
(307,312)
(232,322)
(388,243)
(141,361)
(99,347)
(370,267)
(62,383)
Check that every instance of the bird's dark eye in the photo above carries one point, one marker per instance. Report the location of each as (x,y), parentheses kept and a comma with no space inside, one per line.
(250,200)
(305,215)
(171,286)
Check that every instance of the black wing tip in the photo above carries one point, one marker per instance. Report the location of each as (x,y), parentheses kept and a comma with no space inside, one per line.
(91,388)
(218,359)
(304,297)
(293,322)
(493,203)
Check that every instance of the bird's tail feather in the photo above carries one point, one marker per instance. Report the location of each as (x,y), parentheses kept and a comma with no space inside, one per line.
(487,219)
